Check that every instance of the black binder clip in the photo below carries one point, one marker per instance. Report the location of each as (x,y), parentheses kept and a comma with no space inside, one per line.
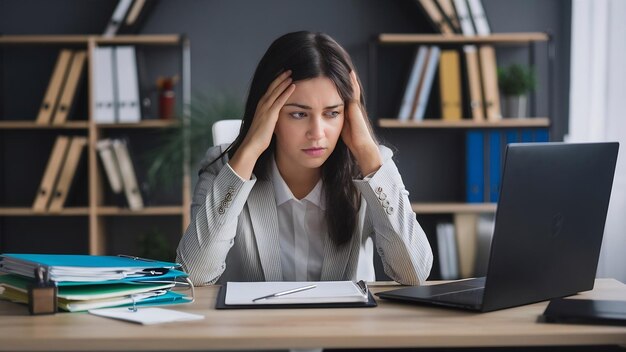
(42,295)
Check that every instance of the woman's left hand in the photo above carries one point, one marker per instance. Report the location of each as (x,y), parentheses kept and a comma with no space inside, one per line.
(356,133)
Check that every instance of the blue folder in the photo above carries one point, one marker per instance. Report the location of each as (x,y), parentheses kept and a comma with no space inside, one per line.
(475,172)
(65,269)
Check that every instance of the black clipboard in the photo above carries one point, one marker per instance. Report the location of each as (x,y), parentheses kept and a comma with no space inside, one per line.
(585,311)
(221,303)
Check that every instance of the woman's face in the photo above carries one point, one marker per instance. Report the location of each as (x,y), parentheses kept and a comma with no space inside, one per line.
(309,125)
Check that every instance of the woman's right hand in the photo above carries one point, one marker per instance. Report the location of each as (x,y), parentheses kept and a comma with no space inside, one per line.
(259,136)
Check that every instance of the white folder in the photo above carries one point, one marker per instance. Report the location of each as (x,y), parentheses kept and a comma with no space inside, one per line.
(129,180)
(478,15)
(464,17)
(104,109)
(128,109)
(117,18)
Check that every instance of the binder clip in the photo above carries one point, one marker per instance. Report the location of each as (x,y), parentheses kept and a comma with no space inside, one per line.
(42,295)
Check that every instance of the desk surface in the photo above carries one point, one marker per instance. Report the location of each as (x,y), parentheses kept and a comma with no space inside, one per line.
(389,325)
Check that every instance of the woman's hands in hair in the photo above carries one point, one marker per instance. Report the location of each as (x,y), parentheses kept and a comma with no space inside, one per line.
(356,134)
(261,130)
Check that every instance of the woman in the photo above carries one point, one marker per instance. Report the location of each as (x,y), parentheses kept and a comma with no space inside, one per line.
(305,186)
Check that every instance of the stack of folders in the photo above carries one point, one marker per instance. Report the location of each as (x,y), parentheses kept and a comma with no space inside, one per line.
(116,85)
(60,170)
(90,282)
(62,87)
(119,169)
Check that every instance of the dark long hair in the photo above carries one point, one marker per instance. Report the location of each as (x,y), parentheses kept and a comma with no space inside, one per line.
(310,55)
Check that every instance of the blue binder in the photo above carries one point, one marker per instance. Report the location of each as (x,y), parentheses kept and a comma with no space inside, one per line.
(475,160)
(495,165)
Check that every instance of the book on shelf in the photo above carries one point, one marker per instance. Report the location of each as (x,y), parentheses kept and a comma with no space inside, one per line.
(66,176)
(51,174)
(436,17)
(447,8)
(55,87)
(465,226)
(465,17)
(447,250)
(127,171)
(474,83)
(410,92)
(117,18)
(426,83)
(491,93)
(479,19)
(450,85)
(110,164)
(70,88)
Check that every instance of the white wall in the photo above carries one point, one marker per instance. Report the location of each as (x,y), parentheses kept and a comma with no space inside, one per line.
(597,107)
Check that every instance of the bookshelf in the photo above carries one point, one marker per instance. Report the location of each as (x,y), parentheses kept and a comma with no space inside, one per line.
(441,198)
(93,206)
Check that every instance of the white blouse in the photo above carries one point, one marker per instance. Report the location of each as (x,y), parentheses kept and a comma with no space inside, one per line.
(301,226)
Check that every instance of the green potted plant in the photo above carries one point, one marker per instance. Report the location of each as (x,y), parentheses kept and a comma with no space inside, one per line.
(165,162)
(515,82)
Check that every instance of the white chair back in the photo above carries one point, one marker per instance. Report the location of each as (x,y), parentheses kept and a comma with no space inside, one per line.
(225,131)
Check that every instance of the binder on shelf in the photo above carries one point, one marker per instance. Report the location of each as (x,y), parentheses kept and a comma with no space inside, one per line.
(117,18)
(55,87)
(465,19)
(129,179)
(435,16)
(110,164)
(542,135)
(466,239)
(50,176)
(447,249)
(410,92)
(475,171)
(494,166)
(74,75)
(478,17)
(104,95)
(447,8)
(474,82)
(489,72)
(526,135)
(424,88)
(74,152)
(128,108)
(450,85)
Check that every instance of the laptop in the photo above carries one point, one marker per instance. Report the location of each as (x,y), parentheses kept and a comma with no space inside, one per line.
(548,229)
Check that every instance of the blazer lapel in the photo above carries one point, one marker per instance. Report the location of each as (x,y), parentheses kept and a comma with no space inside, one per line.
(264,217)
(335,260)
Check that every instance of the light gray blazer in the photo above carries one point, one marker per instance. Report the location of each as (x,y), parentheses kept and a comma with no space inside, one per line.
(233,234)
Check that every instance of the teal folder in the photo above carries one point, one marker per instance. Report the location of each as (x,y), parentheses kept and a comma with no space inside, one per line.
(88,268)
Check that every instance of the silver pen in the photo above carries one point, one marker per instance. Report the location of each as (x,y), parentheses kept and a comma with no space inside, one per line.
(282,293)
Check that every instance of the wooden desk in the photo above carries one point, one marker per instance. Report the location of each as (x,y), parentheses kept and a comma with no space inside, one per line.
(388,325)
